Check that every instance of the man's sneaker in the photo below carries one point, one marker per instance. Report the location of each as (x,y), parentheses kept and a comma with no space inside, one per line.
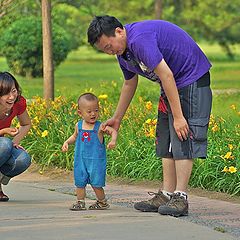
(177,206)
(152,204)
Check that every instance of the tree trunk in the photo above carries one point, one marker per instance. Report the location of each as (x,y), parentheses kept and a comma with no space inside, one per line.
(158,9)
(48,71)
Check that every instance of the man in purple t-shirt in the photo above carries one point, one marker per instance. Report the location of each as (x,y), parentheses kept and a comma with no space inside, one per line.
(164,53)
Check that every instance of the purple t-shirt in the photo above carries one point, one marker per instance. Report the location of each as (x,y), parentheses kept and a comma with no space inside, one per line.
(148,42)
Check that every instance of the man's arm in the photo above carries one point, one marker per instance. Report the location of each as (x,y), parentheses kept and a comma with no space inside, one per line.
(169,85)
(128,90)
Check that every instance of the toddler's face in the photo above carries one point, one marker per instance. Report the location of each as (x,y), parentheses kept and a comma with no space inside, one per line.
(89,110)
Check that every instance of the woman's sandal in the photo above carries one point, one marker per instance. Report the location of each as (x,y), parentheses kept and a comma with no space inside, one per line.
(3,197)
(98,205)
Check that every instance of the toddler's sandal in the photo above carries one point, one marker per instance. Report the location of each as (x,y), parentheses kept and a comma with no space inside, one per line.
(78,206)
(99,206)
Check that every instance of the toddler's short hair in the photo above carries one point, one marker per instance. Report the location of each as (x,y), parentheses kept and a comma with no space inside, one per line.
(88,97)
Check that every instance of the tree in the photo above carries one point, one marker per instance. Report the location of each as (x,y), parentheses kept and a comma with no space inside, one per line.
(158,9)
(69,18)
(215,21)
(48,72)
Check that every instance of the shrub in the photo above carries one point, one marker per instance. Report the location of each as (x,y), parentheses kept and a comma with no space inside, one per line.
(134,157)
(22,46)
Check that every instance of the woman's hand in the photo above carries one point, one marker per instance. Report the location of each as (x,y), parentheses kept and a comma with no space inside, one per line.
(18,146)
(11,131)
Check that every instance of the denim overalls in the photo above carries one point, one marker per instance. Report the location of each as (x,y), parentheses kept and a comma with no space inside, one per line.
(89,158)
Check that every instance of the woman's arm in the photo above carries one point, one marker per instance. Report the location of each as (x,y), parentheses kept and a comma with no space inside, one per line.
(25,125)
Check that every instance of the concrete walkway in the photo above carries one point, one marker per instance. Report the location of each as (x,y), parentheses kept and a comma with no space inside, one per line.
(38,209)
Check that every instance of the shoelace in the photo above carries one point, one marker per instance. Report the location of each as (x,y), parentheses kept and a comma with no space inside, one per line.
(153,193)
(156,196)
(174,198)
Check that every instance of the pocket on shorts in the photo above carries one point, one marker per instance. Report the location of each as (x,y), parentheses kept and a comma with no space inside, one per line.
(198,128)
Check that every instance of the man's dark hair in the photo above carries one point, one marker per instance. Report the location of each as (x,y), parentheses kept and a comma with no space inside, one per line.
(102,25)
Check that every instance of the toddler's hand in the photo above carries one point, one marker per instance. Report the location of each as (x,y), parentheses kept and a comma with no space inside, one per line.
(65,147)
(111,145)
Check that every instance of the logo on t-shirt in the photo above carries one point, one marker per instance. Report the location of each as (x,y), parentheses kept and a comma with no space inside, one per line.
(151,75)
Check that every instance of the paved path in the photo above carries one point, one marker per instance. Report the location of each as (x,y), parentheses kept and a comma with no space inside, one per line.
(39,210)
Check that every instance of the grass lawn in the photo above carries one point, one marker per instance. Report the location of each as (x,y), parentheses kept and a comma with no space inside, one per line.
(225,73)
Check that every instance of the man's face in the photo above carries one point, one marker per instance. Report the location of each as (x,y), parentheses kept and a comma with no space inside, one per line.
(113,45)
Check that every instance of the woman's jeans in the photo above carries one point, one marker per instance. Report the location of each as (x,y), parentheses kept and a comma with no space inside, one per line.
(13,161)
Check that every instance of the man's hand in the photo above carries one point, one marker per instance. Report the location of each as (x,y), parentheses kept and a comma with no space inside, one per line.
(112,122)
(181,128)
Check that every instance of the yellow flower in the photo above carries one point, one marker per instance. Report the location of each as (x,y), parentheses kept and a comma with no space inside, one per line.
(233,107)
(215,128)
(230,147)
(103,96)
(225,169)
(148,121)
(154,121)
(152,132)
(232,169)
(212,120)
(149,105)
(227,155)
(36,120)
(44,133)
(74,105)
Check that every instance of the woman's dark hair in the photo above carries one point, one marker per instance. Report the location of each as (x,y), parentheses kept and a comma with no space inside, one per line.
(102,25)
(7,80)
